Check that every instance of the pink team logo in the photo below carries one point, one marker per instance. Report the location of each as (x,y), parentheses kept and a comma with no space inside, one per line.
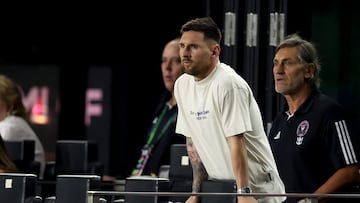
(301,131)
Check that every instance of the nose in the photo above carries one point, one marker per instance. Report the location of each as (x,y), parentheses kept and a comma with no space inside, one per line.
(168,65)
(184,51)
(278,68)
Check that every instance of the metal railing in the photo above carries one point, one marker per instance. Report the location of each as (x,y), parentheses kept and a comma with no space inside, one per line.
(96,196)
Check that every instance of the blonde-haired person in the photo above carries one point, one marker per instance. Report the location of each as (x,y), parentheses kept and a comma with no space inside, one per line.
(14,125)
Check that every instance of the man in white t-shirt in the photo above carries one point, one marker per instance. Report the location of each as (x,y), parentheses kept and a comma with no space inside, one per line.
(221,120)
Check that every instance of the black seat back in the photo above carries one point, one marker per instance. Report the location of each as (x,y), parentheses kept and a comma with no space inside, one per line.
(76,157)
(74,188)
(145,184)
(17,187)
(219,186)
(180,172)
(180,167)
(22,153)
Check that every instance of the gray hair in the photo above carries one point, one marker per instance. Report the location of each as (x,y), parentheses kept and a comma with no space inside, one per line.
(307,55)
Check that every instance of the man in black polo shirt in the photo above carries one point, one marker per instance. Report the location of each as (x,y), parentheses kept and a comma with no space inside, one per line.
(313,146)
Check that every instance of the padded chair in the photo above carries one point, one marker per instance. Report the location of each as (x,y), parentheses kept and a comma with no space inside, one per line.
(180,166)
(22,154)
(77,157)
(176,177)
(145,184)
(181,175)
(180,172)
(18,188)
(219,186)
(74,188)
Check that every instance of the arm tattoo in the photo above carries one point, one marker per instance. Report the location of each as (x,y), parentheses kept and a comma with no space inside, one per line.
(199,171)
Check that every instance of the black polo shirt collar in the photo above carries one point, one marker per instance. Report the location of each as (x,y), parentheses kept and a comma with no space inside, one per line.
(305,107)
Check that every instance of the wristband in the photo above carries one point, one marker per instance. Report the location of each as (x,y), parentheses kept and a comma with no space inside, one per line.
(244,190)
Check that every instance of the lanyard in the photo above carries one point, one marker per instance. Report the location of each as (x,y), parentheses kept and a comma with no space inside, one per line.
(146,150)
(165,128)
(156,126)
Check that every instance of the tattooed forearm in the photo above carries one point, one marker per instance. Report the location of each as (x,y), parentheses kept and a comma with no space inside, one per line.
(199,172)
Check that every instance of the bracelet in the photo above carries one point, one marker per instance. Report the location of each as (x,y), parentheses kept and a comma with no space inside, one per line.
(244,190)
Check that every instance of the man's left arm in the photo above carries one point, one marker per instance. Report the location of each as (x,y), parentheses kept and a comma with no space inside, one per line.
(239,158)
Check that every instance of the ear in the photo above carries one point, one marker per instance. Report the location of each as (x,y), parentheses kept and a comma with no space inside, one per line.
(216,50)
(309,70)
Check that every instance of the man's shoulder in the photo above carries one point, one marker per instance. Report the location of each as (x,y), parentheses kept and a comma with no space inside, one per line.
(183,78)
(229,78)
(327,103)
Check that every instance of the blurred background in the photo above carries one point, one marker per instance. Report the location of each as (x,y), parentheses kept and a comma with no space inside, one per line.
(92,71)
